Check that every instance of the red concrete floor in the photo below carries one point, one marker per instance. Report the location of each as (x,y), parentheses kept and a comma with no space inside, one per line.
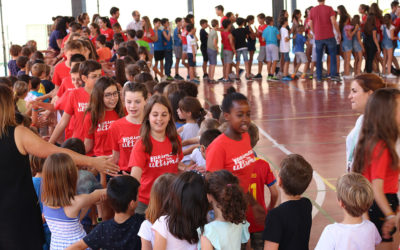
(300,117)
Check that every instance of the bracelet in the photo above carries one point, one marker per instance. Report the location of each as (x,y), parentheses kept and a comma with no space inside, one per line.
(390,217)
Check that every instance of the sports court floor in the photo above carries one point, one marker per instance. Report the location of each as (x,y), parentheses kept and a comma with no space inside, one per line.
(300,117)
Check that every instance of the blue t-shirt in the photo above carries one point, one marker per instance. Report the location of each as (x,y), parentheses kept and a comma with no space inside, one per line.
(55,35)
(158,45)
(299,42)
(177,40)
(270,35)
(12,66)
(48,86)
(167,44)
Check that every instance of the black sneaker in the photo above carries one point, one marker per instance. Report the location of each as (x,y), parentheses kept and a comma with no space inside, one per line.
(221,79)
(241,72)
(178,77)
(205,76)
(258,76)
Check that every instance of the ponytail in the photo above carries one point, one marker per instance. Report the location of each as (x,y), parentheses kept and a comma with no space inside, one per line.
(202,116)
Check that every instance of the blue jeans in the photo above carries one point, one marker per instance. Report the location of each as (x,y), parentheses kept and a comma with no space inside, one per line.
(331,45)
(168,62)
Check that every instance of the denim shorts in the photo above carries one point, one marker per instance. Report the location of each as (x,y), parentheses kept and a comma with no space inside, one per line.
(347,45)
(387,44)
(272,53)
(356,46)
(242,52)
(190,60)
(151,48)
(178,52)
(262,54)
(184,48)
(285,57)
(228,56)
(212,56)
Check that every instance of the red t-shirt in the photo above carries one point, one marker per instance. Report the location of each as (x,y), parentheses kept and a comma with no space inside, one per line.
(122,136)
(64,40)
(321,18)
(76,106)
(113,21)
(150,33)
(109,33)
(104,54)
(260,29)
(101,146)
(235,156)
(380,169)
(61,71)
(222,19)
(261,176)
(184,33)
(225,40)
(396,24)
(93,39)
(66,84)
(160,161)
(60,105)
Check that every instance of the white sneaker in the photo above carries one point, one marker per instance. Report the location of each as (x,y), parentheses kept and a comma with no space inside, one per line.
(391,76)
(232,75)
(347,77)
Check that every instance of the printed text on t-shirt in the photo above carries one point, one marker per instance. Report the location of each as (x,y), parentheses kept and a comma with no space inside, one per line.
(243,160)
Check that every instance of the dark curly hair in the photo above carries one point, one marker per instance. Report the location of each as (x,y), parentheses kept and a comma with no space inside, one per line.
(228,194)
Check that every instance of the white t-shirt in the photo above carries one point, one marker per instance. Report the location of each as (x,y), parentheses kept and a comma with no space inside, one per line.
(383,26)
(198,158)
(191,40)
(145,232)
(189,131)
(351,142)
(284,46)
(173,243)
(363,236)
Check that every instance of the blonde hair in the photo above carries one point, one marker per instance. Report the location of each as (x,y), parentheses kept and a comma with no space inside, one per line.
(170,88)
(38,69)
(355,192)
(60,177)
(209,123)
(20,89)
(7,109)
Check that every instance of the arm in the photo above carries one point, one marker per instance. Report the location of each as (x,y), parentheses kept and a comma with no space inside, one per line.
(274,196)
(354,31)
(359,40)
(333,20)
(167,36)
(232,43)
(146,245)
(59,42)
(88,145)
(311,26)
(269,245)
(194,52)
(136,173)
(376,41)
(87,200)
(215,42)
(160,243)
(190,149)
(205,244)
(80,245)
(392,37)
(194,140)
(115,156)
(383,204)
(60,127)
(155,36)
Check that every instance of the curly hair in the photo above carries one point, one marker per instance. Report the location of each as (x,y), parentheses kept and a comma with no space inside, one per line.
(228,194)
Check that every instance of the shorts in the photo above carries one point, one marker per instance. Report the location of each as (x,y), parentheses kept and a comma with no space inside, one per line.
(387,44)
(347,45)
(190,60)
(285,57)
(378,218)
(251,45)
(151,48)
(141,208)
(228,56)
(204,54)
(257,242)
(178,52)
(314,54)
(262,54)
(212,56)
(272,53)
(159,55)
(301,57)
(356,46)
(184,48)
(244,52)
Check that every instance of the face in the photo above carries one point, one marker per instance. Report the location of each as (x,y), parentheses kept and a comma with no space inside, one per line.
(87,20)
(91,79)
(286,14)
(239,116)
(117,15)
(69,53)
(134,103)
(92,30)
(183,115)
(358,97)
(137,16)
(111,97)
(360,10)
(159,118)
(205,25)
(76,80)
(260,20)
(101,23)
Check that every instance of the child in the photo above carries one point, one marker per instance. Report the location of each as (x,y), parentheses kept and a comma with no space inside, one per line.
(158,49)
(140,40)
(358,47)
(68,83)
(212,50)
(203,45)
(159,193)
(193,113)
(94,32)
(262,53)
(61,206)
(251,40)
(103,51)
(355,196)
(105,28)
(299,41)
(288,225)
(125,132)
(120,232)
(131,70)
(178,46)
(118,30)
(387,45)
(21,64)
(198,155)
(159,149)
(370,40)
(271,36)
(131,35)
(20,92)
(39,70)
(34,90)
(187,199)
(229,49)
(285,48)
(15,52)
(191,52)
(229,230)
(240,35)
(167,42)
(348,32)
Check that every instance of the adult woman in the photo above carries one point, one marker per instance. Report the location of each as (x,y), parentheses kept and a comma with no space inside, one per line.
(58,34)
(361,88)
(18,200)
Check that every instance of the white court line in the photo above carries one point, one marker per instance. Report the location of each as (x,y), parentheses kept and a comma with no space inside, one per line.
(318,180)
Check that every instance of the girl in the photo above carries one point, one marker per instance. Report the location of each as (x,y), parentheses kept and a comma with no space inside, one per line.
(104,108)
(251,39)
(131,70)
(94,32)
(105,28)
(387,45)
(125,132)
(61,206)
(309,46)
(193,113)
(358,47)
(174,98)
(347,42)
(370,42)
(159,193)
(376,158)
(363,10)
(149,35)
(20,93)
(159,149)
(229,229)
(184,210)
(84,19)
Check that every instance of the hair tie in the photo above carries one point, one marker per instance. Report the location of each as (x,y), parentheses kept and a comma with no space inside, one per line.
(122,57)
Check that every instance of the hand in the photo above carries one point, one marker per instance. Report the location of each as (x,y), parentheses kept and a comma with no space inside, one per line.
(259,214)
(387,227)
(104,165)
(379,51)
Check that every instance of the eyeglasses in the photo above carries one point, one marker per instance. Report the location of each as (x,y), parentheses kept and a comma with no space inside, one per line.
(110,95)
(94,76)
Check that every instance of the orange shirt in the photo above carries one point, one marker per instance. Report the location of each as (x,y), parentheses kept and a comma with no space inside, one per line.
(104,54)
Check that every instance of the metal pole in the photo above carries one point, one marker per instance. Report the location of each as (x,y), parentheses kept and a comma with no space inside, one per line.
(4,40)
(190,7)
(294,5)
(98,7)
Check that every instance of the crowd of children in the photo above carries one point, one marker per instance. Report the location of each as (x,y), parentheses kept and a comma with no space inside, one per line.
(189,177)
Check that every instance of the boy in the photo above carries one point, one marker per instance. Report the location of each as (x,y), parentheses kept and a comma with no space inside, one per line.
(103,51)
(132,34)
(67,83)
(15,52)
(177,47)
(21,64)
(74,27)
(262,53)
(288,225)
(34,90)
(158,50)
(212,50)
(114,12)
(203,45)
(120,232)
(299,41)
(191,52)
(229,49)
(118,30)
(140,41)
(271,36)
(198,156)
(240,35)
(167,42)
(262,176)
(284,48)
(39,70)
(355,197)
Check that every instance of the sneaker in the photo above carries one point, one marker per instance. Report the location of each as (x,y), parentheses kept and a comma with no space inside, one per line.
(226,80)
(347,77)
(303,76)
(293,76)
(156,79)
(170,78)
(232,75)
(241,72)
(187,77)
(274,78)
(336,78)
(269,78)
(178,77)
(205,76)
(195,81)
(258,76)
(249,78)
(221,79)
(391,76)
(287,78)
